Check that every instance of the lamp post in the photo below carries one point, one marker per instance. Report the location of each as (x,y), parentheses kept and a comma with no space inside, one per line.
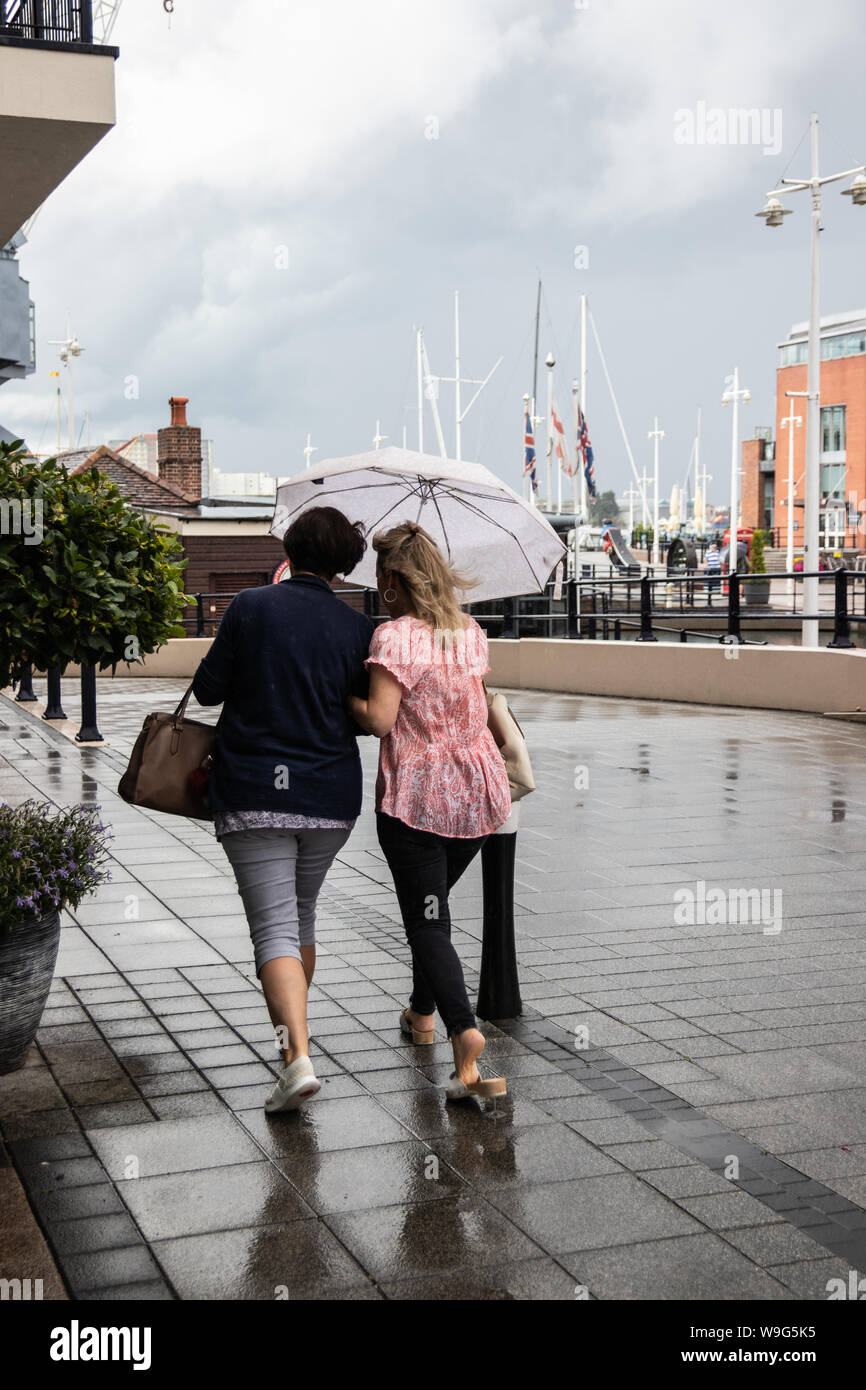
(734,393)
(630,496)
(655,434)
(788,423)
(70,348)
(773,213)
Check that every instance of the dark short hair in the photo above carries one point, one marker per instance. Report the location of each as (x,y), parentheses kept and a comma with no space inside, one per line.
(325,542)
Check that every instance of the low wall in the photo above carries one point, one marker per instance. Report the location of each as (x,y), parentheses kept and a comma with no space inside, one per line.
(814,681)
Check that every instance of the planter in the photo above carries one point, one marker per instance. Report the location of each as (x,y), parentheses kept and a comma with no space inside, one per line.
(755,590)
(27,957)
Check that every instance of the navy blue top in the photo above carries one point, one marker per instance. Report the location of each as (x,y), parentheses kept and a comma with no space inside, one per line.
(283,663)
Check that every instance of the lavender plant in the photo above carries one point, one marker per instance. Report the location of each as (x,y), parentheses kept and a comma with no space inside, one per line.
(49,859)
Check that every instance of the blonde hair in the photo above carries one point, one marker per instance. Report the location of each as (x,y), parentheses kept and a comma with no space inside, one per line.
(434,587)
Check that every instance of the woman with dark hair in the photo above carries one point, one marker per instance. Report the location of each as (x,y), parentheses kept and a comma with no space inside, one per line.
(286,782)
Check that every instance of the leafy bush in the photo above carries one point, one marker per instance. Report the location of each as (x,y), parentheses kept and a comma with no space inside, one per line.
(48,860)
(96,582)
(757,557)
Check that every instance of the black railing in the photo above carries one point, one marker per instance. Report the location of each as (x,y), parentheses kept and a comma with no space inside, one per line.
(47,21)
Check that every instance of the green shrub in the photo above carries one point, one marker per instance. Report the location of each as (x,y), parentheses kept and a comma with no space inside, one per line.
(87,578)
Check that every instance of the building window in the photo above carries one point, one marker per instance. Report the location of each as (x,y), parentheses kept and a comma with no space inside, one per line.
(833,428)
(769,501)
(840,345)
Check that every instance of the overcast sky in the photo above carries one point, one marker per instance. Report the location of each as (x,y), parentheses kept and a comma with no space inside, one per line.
(270,219)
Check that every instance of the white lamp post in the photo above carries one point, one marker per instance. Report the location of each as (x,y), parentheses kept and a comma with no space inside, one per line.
(789,422)
(655,434)
(733,395)
(773,212)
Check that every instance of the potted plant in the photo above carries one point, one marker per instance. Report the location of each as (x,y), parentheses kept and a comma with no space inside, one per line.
(48,860)
(756,584)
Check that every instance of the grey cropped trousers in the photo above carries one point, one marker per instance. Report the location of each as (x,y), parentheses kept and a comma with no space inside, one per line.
(279,874)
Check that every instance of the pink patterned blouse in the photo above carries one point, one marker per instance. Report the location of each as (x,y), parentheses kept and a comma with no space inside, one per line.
(439,768)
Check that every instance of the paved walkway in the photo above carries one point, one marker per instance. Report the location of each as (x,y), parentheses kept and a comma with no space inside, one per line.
(686,1102)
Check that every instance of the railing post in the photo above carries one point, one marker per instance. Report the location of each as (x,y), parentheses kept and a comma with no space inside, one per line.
(841,625)
(734,633)
(88,733)
(617,630)
(199,616)
(25,684)
(572,626)
(53,707)
(646,612)
(86,12)
(368,603)
(508,628)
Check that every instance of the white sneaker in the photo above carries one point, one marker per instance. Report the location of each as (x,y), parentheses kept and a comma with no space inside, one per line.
(297,1084)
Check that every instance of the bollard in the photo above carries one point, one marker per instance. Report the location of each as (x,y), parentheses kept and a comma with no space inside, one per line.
(25,684)
(88,733)
(646,612)
(734,633)
(841,625)
(53,707)
(509,630)
(199,616)
(498,986)
(684,636)
(617,629)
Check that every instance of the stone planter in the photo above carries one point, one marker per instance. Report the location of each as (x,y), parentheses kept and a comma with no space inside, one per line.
(755,591)
(27,957)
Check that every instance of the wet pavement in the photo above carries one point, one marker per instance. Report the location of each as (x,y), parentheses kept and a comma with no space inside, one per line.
(686,1111)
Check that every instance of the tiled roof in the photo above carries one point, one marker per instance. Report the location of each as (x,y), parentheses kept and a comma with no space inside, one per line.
(140,488)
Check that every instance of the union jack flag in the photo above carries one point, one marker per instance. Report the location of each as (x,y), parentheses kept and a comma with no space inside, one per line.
(529,452)
(586,453)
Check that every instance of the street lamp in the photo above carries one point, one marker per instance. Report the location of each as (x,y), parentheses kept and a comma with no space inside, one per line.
(655,434)
(789,422)
(773,213)
(733,394)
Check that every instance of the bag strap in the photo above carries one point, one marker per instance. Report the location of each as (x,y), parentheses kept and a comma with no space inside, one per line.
(177,717)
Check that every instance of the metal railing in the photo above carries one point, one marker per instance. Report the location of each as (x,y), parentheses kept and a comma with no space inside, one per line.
(47,21)
(582,603)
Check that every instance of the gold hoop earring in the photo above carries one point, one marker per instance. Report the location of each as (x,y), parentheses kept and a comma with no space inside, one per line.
(390,595)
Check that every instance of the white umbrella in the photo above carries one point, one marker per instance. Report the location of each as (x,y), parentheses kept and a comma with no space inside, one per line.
(482,526)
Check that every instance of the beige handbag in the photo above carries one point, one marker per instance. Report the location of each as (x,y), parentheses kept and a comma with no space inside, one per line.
(511,744)
(170,765)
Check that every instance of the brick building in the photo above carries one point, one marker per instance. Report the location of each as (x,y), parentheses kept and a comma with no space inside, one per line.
(227,542)
(843,438)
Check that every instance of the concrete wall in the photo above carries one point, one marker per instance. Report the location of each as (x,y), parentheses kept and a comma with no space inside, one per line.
(785,678)
(54,107)
(788,678)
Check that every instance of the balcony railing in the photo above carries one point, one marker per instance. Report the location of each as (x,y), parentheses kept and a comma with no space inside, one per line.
(47,21)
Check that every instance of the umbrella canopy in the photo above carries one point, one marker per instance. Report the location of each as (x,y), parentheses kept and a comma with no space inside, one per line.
(483,528)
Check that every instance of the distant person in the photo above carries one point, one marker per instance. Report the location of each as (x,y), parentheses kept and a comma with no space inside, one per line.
(442,787)
(713,562)
(286,783)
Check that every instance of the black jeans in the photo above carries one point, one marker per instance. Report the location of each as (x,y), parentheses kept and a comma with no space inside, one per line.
(425,868)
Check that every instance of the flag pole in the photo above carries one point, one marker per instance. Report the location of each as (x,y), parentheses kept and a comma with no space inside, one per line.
(550,363)
(527,487)
(583,371)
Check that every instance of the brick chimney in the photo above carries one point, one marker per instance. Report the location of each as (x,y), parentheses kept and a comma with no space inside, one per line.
(178,451)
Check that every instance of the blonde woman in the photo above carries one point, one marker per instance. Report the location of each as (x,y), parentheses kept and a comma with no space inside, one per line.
(442,786)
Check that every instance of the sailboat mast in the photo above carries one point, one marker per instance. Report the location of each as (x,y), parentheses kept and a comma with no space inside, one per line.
(535,359)
(582,401)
